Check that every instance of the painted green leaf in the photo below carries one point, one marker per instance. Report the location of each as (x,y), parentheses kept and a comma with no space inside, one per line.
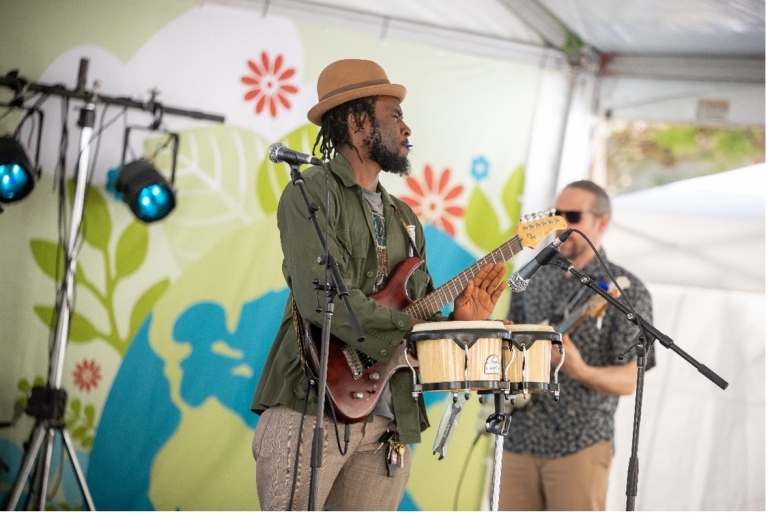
(45,314)
(81,329)
(90,414)
(97,223)
(75,407)
(510,196)
(45,254)
(87,442)
(272,178)
(79,432)
(481,222)
(79,273)
(215,176)
(145,304)
(24,386)
(131,249)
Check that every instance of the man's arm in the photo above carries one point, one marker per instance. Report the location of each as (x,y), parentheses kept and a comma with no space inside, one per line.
(613,380)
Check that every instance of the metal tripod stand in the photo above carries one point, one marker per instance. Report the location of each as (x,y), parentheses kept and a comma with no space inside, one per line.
(48,404)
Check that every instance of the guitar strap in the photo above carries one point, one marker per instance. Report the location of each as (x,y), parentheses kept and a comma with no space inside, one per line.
(298,327)
(411,240)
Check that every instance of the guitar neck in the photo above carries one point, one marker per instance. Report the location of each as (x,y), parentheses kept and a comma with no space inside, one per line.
(571,322)
(429,305)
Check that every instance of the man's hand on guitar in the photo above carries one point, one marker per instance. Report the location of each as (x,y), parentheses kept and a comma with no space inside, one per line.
(573,365)
(478,299)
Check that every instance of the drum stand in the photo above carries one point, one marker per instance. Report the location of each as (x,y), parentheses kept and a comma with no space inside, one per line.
(497,424)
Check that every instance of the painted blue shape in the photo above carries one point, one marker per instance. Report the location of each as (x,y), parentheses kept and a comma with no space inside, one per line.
(12,456)
(224,372)
(138,419)
(407,503)
(480,168)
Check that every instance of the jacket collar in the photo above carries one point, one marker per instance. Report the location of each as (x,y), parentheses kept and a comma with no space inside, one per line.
(341,168)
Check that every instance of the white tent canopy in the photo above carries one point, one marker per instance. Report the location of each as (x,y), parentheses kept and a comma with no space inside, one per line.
(705,232)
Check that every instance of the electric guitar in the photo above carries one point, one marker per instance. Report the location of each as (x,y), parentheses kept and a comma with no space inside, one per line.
(354,380)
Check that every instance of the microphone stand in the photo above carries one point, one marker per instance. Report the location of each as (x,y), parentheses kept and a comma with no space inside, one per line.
(338,286)
(642,349)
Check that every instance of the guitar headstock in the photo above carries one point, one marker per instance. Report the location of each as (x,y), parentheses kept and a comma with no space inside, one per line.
(533,228)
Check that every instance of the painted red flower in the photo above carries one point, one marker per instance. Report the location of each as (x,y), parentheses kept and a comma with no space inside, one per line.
(435,201)
(267,84)
(87,375)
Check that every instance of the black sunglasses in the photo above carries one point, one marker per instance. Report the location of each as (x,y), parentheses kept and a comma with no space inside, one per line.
(572,216)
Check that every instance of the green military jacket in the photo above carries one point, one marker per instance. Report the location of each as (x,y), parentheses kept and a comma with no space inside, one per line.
(351,240)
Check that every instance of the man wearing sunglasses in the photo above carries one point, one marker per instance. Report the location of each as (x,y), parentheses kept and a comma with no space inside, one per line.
(558,453)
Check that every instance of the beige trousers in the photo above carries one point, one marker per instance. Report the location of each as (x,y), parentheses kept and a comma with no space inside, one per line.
(355,481)
(578,481)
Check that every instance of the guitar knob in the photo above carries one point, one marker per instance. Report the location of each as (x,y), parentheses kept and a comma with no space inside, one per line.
(374,376)
(357,395)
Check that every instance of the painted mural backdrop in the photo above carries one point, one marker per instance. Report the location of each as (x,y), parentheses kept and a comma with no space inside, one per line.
(173,320)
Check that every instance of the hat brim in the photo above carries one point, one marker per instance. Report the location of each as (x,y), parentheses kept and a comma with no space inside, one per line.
(315,114)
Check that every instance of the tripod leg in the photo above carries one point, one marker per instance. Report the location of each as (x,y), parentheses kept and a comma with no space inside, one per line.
(26,466)
(78,471)
(50,437)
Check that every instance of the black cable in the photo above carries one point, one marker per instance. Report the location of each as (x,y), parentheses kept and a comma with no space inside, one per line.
(464,470)
(608,272)
(298,447)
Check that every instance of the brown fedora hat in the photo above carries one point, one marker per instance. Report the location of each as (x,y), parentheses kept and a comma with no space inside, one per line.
(349,79)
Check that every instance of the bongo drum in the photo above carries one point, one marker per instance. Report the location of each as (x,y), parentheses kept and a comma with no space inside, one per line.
(460,355)
(529,364)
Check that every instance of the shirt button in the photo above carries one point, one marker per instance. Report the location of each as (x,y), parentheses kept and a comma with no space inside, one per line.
(400,324)
(383,352)
(369,273)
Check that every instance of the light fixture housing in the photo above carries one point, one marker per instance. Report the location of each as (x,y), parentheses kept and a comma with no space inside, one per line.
(17,174)
(149,196)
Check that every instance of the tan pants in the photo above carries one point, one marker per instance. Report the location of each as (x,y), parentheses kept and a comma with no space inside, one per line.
(356,481)
(578,481)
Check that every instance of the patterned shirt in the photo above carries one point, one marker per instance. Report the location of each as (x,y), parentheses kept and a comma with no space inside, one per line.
(384,406)
(582,417)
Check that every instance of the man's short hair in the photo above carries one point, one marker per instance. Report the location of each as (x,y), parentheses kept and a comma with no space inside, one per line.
(602,202)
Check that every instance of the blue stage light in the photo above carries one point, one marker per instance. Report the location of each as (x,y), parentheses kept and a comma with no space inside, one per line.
(17,176)
(149,196)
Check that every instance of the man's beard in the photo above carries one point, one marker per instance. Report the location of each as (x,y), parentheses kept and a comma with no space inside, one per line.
(390,161)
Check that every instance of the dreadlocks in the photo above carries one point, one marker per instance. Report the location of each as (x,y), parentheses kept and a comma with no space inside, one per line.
(334,132)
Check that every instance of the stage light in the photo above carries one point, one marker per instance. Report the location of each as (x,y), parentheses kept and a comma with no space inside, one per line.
(149,196)
(17,175)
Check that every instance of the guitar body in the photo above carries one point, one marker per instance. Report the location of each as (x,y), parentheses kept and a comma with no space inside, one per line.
(354,392)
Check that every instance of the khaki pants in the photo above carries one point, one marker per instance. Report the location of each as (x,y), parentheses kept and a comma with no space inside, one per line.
(578,481)
(355,481)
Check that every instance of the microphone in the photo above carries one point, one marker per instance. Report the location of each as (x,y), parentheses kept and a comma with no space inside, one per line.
(280,153)
(518,281)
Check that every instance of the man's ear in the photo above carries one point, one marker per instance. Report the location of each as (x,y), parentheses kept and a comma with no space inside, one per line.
(602,222)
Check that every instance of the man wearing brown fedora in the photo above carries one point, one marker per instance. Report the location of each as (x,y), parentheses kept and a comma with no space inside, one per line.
(365,462)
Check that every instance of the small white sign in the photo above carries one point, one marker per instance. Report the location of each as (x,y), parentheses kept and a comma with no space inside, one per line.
(492,365)
(713,109)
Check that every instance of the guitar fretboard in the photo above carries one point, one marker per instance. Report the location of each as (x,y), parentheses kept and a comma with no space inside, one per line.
(427,306)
